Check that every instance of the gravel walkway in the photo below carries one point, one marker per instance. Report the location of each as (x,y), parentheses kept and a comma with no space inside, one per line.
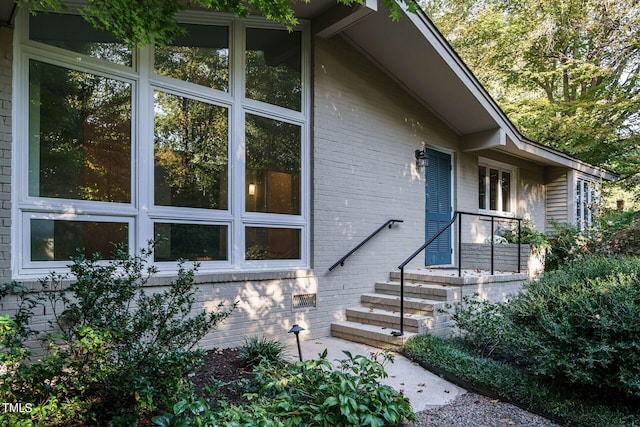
(475,410)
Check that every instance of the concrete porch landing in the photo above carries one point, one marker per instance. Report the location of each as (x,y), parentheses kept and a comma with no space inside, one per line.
(427,290)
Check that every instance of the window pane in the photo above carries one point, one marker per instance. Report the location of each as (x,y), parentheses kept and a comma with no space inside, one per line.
(482,187)
(493,189)
(272,243)
(59,240)
(200,56)
(74,33)
(79,135)
(191,153)
(273,166)
(274,61)
(192,242)
(506,192)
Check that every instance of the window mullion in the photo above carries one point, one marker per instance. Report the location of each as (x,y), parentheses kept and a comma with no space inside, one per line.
(144,147)
(237,143)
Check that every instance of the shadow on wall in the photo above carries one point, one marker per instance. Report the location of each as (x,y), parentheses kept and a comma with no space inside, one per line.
(264,308)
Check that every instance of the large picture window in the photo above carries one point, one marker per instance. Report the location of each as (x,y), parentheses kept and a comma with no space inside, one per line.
(201,145)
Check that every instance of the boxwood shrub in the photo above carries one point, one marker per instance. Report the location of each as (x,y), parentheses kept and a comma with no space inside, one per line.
(581,324)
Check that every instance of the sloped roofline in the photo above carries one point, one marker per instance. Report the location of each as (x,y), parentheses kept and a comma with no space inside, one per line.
(420,18)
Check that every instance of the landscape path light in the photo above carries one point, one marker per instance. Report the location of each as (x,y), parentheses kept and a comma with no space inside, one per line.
(295,329)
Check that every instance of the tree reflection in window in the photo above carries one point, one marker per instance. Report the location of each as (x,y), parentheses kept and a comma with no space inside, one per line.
(273,166)
(74,33)
(274,59)
(191,152)
(80,135)
(201,56)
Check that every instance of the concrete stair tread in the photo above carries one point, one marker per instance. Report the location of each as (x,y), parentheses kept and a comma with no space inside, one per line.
(386,297)
(384,312)
(369,334)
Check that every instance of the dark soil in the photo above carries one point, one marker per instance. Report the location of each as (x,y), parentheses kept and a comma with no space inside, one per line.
(222,371)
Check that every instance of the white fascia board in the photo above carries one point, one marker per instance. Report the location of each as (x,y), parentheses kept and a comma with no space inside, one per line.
(567,160)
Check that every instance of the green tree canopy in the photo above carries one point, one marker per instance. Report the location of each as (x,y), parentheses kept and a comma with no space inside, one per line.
(565,71)
(141,22)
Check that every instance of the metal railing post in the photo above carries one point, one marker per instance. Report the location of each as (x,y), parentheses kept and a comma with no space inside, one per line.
(519,242)
(459,245)
(402,301)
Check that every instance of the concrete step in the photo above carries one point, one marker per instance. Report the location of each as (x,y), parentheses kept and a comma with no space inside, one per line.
(391,320)
(435,292)
(392,303)
(450,277)
(376,336)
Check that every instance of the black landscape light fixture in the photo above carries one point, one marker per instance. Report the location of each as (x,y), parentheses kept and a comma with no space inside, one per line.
(295,329)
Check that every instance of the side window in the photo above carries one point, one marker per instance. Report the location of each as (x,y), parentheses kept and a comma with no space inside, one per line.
(586,199)
(495,188)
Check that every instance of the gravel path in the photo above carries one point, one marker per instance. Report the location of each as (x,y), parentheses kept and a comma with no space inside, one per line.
(475,410)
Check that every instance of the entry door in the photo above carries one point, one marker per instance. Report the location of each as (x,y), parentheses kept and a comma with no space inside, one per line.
(438,206)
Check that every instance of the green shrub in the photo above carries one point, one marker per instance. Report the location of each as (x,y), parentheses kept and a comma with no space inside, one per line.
(113,351)
(315,394)
(480,322)
(581,324)
(510,382)
(528,235)
(619,233)
(259,350)
(565,244)
(311,393)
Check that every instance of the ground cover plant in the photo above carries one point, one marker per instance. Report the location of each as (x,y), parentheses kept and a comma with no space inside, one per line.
(310,393)
(112,352)
(568,345)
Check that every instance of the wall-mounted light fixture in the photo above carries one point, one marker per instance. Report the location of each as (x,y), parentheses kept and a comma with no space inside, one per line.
(252,189)
(421,158)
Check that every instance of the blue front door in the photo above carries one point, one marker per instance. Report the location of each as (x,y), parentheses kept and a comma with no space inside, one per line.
(438,206)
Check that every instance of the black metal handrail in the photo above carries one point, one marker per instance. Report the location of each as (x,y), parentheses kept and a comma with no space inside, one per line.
(456,215)
(341,261)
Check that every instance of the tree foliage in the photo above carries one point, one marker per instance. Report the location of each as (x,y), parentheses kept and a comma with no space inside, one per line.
(143,22)
(565,71)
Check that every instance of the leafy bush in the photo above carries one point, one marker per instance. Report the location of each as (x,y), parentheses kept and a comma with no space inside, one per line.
(565,244)
(258,350)
(581,324)
(311,393)
(480,322)
(528,235)
(619,233)
(113,351)
(315,394)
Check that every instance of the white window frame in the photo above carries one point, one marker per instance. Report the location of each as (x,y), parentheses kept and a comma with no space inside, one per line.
(140,213)
(513,200)
(584,201)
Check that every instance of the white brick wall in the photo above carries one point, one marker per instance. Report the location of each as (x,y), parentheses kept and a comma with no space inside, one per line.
(365,133)
(6,58)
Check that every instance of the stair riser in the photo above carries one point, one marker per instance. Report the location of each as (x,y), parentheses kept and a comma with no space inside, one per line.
(380,340)
(390,322)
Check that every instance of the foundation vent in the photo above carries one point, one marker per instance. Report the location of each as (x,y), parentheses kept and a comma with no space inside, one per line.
(304,301)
